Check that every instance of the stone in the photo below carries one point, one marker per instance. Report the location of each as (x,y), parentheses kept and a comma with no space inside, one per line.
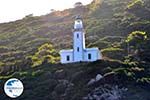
(77,76)
(47,75)
(60,88)
(98,77)
(92,81)
(60,74)
(63,87)
(52,84)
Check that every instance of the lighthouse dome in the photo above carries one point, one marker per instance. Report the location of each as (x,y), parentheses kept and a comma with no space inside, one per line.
(78,23)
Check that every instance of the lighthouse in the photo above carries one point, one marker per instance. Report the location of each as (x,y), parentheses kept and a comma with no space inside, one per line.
(78,40)
(79,53)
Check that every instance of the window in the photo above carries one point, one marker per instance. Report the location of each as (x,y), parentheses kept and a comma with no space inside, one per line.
(89,56)
(68,58)
(78,21)
(78,49)
(77,35)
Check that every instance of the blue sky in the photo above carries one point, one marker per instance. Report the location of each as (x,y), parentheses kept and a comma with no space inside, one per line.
(11,10)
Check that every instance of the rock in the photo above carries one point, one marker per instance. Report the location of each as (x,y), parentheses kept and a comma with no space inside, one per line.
(65,82)
(110,78)
(54,96)
(60,74)
(92,81)
(106,93)
(77,76)
(98,77)
(63,87)
(47,75)
(52,84)
(60,88)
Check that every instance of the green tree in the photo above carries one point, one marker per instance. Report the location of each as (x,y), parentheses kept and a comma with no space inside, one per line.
(45,54)
(135,41)
(135,3)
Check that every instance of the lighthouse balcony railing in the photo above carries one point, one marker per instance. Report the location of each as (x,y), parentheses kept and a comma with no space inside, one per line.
(79,29)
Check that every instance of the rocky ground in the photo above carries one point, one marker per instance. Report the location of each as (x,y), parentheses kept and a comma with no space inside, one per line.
(81,81)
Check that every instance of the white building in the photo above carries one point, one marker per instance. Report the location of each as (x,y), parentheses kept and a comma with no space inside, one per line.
(79,53)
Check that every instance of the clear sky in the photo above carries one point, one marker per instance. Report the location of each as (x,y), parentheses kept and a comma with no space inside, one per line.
(11,10)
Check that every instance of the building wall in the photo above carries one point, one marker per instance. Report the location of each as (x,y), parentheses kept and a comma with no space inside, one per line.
(78,46)
(64,54)
(94,53)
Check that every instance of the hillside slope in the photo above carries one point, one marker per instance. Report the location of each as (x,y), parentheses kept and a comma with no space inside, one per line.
(73,82)
(107,23)
(119,28)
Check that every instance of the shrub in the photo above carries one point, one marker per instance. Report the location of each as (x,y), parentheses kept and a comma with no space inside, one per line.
(143,80)
(114,53)
(111,49)
(135,2)
(45,54)
(1,64)
(24,74)
(37,73)
(137,36)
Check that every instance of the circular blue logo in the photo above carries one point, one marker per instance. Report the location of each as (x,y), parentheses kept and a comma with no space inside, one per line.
(13,88)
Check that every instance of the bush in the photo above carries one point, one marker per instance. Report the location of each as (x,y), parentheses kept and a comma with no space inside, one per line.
(134,3)
(24,74)
(114,53)
(1,64)
(37,73)
(45,54)
(111,49)
(143,80)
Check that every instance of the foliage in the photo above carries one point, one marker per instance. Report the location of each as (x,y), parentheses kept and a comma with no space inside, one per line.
(24,74)
(114,53)
(137,36)
(111,49)
(143,80)
(129,61)
(45,53)
(1,64)
(37,73)
(135,2)
(94,5)
(135,43)
(130,74)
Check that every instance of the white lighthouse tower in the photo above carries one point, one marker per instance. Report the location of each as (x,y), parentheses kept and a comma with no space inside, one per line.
(78,40)
(79,53)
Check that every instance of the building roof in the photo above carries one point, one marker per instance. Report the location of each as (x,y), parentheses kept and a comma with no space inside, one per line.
(78,17)
(91,49)
(69,50)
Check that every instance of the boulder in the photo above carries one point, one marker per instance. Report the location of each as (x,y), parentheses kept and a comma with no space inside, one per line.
(63,87)
(52,84)
(60,74)
(98,77)
(60,88)
(95,80)
(77,76)
(92,81)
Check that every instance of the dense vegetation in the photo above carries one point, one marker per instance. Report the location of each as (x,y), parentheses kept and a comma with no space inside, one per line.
(120,28)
